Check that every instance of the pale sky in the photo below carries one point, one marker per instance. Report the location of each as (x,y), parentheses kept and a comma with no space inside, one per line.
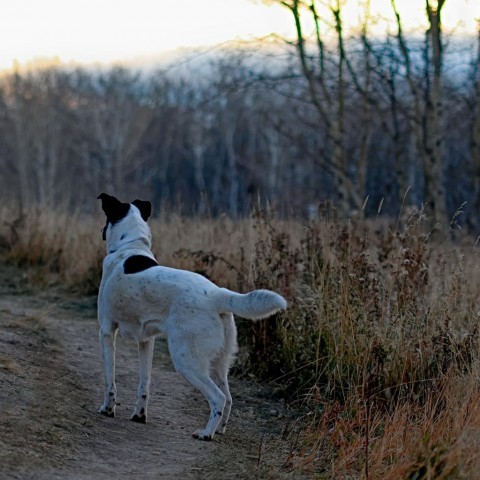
(103,31)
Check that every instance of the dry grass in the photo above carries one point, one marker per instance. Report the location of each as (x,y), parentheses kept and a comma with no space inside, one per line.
(52,247)
(378,352)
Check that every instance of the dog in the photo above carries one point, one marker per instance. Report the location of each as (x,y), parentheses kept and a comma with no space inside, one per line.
(142,299)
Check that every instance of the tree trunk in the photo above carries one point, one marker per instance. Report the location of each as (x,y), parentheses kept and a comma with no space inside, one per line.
(475,140)
(435,194)
(428,115)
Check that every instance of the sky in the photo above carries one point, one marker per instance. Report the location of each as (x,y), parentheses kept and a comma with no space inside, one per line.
(106,31)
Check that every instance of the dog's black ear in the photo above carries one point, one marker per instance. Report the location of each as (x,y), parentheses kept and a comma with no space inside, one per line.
(144,207)
(114,209)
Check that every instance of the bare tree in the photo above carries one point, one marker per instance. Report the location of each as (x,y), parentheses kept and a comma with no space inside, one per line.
(328,96)
(427,118)
(475,133)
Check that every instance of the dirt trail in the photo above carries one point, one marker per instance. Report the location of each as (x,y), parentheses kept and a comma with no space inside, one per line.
(50,389)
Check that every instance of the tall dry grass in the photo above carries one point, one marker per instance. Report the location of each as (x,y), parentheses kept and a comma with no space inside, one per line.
(378,353)
(52,247)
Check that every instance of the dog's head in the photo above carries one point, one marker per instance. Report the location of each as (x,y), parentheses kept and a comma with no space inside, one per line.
(126,222)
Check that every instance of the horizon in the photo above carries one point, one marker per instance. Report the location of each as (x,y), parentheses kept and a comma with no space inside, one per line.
(57,32)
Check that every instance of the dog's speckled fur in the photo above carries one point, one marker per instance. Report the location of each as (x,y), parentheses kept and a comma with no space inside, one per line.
(141,300)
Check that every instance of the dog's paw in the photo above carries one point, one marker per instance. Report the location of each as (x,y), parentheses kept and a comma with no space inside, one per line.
(107,411)
(138,418)
(202,435)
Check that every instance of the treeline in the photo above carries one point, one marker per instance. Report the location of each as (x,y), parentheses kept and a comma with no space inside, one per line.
(248,126)
(205,143)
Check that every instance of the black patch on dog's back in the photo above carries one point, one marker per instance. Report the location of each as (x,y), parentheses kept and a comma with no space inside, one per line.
(138,263)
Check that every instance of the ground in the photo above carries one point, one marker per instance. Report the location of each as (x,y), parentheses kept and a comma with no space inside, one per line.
(51,387)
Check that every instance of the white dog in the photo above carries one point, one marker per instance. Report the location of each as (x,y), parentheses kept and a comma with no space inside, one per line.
(142,299)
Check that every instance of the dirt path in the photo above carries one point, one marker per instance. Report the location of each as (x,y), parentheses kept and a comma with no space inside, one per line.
(50,388)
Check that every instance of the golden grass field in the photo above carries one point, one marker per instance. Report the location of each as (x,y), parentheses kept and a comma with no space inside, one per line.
(377,354)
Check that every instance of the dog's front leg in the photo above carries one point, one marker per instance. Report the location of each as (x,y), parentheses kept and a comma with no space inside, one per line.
(107,345)
(145,358)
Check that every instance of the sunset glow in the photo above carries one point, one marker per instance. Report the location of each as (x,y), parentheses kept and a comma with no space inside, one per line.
(91,31)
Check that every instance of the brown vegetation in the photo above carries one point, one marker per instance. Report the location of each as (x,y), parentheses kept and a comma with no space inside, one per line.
(377,354)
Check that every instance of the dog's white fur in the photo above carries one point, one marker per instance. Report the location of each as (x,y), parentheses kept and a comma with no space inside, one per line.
(195,314)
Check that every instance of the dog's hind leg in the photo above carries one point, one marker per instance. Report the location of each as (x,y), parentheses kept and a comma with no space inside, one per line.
(220,378)
(183,350)
(145,358)
(221,366)
(215,397)
(107,344)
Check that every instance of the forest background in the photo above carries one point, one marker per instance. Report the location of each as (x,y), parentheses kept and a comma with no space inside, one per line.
(363,120)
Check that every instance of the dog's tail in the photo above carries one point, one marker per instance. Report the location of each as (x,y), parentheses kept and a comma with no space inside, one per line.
(254,305)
